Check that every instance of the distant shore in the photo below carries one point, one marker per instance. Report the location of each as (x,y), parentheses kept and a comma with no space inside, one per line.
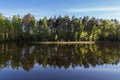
(69,42)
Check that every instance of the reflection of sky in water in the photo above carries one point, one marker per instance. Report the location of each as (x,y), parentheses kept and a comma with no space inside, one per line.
(104,72)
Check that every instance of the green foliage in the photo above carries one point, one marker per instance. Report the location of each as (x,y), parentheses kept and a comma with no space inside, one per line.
(56,37)
(76,35)
(17,27)
(28,22)
(58,28)
(84,35)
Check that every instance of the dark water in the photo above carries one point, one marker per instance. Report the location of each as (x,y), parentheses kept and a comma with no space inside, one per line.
(60,62)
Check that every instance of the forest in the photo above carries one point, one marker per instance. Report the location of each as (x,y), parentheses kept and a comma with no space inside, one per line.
(27,28)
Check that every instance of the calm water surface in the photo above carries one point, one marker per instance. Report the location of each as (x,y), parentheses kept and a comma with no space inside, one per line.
(60,62)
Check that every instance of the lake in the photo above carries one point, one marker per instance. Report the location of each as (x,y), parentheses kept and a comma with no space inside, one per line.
(60,62)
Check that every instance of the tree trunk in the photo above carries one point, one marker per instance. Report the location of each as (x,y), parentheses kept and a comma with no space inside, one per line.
(5,39)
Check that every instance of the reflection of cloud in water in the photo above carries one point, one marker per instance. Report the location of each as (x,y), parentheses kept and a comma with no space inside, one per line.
(106,69)
(31,49)
(23,51)
(103,68)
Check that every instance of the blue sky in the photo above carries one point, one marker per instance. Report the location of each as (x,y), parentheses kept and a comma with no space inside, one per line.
(40,8)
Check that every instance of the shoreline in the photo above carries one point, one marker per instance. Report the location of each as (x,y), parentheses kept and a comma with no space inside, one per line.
(69,42)
(63,42)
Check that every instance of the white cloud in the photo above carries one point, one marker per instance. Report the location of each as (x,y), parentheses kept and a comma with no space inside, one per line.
(38,13)
(107,15)
(98,12)
(106,9)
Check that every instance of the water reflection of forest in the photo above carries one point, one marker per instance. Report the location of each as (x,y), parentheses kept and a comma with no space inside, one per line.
(26,56)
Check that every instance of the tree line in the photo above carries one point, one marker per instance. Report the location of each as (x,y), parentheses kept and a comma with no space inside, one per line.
(59,28)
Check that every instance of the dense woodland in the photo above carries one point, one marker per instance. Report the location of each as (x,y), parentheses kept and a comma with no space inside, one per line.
(66,28)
